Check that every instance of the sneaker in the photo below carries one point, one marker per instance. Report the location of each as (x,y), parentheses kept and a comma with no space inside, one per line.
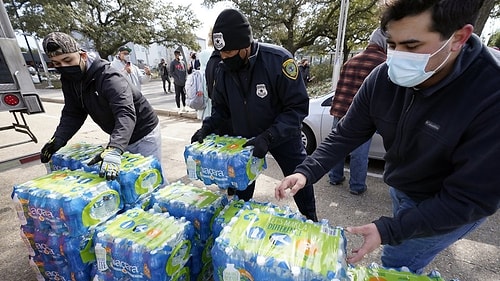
(356,192)
(339,182)
(180,110)
(189,109)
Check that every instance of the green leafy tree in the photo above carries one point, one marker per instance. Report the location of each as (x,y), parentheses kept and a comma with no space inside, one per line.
(297,24)
(108,24)
(495,39)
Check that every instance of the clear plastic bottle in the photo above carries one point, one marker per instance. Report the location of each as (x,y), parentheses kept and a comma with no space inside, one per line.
(191,167)
(230,273)
(18,206)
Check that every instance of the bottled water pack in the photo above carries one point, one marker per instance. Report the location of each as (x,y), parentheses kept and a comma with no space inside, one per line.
(60,255)
(376,272)
(222,160)
(140,245)
(200,262)
(197,205)
(261,246)
(231,210)
(138,174)
(66,202)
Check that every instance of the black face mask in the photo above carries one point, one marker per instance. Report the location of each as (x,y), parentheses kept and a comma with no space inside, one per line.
(73,72)
(235,62)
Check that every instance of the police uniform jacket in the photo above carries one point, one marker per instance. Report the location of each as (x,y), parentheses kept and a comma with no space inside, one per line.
(268,94)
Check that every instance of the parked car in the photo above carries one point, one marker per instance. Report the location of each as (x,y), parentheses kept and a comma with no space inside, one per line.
(318,124)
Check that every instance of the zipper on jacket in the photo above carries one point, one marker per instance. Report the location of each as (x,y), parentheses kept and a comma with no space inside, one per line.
(401,126)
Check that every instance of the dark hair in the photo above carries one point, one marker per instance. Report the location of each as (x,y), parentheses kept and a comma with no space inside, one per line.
(447,15)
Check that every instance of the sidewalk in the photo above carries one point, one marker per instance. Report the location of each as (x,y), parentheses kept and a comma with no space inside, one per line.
(163,104)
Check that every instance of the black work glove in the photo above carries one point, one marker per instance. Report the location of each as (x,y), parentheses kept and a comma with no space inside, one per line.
(53,145)
(260,144)
(111,159)
(200,134)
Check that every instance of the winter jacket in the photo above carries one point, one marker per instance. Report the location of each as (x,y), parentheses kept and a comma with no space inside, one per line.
(442,143)
(117,107)
(267,94)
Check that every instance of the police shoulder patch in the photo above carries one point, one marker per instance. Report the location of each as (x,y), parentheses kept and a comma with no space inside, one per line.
(290,69)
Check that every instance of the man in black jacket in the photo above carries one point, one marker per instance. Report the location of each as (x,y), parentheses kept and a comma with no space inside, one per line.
(91,87)
(436,103)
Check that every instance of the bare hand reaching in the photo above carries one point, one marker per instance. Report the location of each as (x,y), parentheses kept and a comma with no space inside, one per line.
(294,182)
(371,241)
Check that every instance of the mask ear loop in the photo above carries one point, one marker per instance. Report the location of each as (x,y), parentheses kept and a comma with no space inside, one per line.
(447,57)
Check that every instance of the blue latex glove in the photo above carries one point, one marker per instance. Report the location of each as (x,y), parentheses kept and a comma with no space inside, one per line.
(111,159)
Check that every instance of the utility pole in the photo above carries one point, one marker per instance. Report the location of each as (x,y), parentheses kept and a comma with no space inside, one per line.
(339,47)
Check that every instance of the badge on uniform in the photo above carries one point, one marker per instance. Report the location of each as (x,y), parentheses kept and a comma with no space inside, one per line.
(290,69)
(261,90)
(218,39)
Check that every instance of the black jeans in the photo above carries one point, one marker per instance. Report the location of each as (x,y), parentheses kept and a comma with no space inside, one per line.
(167,79)
(180,92)
(289,155)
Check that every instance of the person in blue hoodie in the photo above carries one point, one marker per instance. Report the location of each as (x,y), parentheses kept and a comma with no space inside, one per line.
(436,103)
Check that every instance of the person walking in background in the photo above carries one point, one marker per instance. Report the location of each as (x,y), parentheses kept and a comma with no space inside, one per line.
(165,76)
(436,103)
(92,87)
(351,77)
(194,64)
(128,69)
(207,111)
(178,72)
(305,71)
(258,89)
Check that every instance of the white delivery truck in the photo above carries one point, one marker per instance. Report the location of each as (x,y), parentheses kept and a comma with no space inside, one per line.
(17,92)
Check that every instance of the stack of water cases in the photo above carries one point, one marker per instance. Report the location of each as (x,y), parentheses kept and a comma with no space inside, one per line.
(58,213)
(138,175)
(199,206)
(138,245)
(222,160)
(257,245)
(375,272)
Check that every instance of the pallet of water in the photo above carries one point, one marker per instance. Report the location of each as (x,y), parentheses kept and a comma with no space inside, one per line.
(139,175)
(257,245)
(223,161)
(140,245)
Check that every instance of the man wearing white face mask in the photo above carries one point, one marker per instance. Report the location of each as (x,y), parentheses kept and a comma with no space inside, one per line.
(436,103)
(128,69)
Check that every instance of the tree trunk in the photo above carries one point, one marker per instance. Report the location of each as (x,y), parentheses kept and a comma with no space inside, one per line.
(484,14)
